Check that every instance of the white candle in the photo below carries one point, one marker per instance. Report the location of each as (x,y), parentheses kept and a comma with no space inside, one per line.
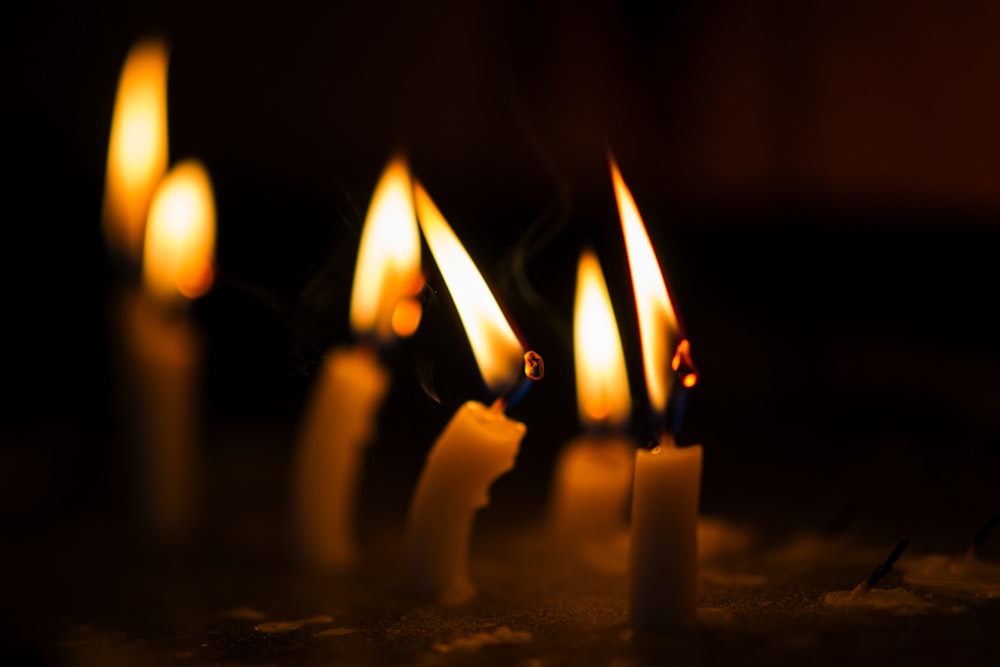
(593,480)
(663,563)
(159,354)
(338,424)
(664,536)
(593,474)
(478,445)
(161,349)
(165,225)
(339,420)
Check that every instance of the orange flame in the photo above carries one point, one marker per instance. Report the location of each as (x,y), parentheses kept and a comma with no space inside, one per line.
(601,380)
(498,352)
(137,149)
(658,326)
(180,234)
(387,275)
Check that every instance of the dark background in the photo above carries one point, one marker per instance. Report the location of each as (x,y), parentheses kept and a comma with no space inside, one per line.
(821,182)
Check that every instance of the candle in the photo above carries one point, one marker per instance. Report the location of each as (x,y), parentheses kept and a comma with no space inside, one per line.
(339,419)
(161,348)
(165,227)
(593,475)
(663,562)
(479,444)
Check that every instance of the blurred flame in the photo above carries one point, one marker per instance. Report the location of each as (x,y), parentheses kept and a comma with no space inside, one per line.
(137,149)
(658,327)
(180,234)
(601,380)
(388,265)
(406,317)
(496,348)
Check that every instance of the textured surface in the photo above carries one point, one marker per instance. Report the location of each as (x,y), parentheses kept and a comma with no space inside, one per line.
(93,598)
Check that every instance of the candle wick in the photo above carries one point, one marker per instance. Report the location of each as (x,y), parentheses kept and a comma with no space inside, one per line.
(685,377)
(881,570)
(665,441)
(534,370)
(981,535)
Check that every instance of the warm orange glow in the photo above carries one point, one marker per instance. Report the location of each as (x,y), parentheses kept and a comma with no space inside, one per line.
(180,234)
(683,365)
(658,328)
(601,381)
(388,258)
(137,150)
(496,348)
(406,317)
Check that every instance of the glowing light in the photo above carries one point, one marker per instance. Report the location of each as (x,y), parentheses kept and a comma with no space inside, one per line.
(683,365)
(137,149)
(388,268)
(180,234)
(658,327)
(601,380)
(496,348)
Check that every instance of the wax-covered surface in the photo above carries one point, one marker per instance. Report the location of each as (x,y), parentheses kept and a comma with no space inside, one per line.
(87,594)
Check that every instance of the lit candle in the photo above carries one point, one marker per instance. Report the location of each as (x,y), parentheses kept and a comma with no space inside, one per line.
(165,226)
(663,562)
(339,420)
(593,475)
(161,348)
(479,443)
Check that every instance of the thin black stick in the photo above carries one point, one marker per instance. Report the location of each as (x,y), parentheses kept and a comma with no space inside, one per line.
(882,569)
(982,534)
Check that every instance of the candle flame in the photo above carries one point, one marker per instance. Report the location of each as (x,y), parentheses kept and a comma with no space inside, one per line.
(601,380)
(137,149)
(683,365)
(180,234)
(658,326)
(387,275)
(498,352)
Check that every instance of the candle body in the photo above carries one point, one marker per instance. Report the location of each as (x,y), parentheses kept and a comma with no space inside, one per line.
(477,446)
(158,355)
(591,486)
(663,562)
(338,424)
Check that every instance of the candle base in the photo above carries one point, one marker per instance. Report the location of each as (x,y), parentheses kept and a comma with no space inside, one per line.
(663,561)
(158,353)
(338,425)
(592,483)
(477,446)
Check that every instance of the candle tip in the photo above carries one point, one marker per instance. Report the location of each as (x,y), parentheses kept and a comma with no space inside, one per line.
(534,366)
(534,370)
